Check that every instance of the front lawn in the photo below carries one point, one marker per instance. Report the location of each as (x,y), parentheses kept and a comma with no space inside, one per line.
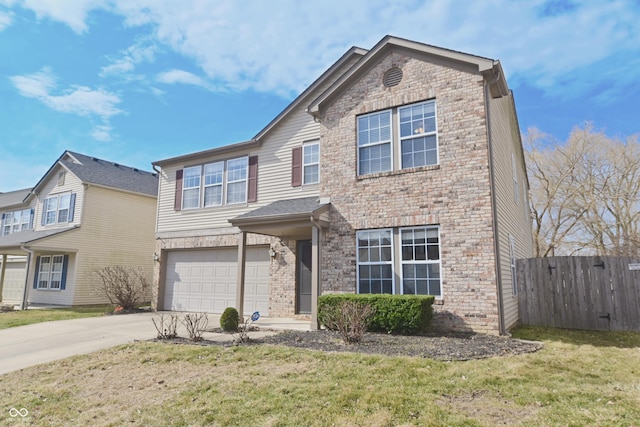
(12,319)
(578,378)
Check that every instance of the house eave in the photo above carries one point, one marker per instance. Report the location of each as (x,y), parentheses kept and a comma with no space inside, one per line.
(225,149)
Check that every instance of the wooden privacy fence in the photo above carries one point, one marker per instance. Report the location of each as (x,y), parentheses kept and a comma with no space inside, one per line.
(593,293)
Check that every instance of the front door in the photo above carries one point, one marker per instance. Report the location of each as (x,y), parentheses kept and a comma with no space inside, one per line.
(303,290)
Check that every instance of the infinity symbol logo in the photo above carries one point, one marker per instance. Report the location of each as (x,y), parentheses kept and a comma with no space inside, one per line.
(21,412)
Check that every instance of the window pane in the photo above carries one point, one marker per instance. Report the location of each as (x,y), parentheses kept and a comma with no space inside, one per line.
(434,287)
(213,173)
(191,177)
(421,287)
(408,287)
(191,198)
(213,196)
(236,192)
(311,175)
(237,169)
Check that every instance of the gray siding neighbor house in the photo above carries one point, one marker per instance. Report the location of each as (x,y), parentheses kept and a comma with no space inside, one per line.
(84,214)
(400,170)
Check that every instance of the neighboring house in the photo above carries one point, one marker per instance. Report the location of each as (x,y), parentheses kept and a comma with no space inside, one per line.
(399,170)
(84,214)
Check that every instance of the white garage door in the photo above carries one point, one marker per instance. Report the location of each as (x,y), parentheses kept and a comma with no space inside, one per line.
(205,280)
(14,277)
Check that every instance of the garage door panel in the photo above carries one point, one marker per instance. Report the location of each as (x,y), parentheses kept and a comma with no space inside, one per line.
(205,280)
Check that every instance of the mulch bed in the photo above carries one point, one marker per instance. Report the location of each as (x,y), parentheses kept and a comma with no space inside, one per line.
(445,347)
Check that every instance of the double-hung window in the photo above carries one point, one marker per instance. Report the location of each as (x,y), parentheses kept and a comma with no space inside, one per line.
(418,144)
(15,221)
(411,255)
(213,174)
(311,163)
(374,143)
(237,180)
(191,189)
(58,209)
(375,262)
(215,184)
(50,272)
(409,130)
(420,261)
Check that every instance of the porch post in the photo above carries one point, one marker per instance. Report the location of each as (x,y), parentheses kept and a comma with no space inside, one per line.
(316,236)
(242,252)
(2,270)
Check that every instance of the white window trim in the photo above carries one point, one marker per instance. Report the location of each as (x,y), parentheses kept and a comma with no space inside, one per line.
(191,188)
(401,138)
(57,210)
(49,273)
(389,141)
(8,226)
(205,185)
(426,261)
(317,163)
(391,263)
(228,181)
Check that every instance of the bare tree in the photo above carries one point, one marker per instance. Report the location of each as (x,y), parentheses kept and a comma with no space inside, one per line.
(585,193)
(123,285)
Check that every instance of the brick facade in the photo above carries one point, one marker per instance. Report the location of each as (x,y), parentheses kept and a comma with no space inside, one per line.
(455,194)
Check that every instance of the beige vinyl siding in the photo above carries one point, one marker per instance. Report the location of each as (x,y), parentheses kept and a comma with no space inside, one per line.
(274,179)
(117,229)
(50,188)
(510,214)
(53,296)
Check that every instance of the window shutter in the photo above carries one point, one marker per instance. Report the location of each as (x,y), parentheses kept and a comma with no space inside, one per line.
(33,213)
(44,212)
(252,191)
(35,276)
(296,167)
(72,206)
(63,280)
(177,203)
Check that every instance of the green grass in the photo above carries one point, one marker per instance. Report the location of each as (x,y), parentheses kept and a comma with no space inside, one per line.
(12,319)
(577,379)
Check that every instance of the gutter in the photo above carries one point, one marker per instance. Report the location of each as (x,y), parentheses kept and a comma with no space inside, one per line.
(496,236)
(24,302)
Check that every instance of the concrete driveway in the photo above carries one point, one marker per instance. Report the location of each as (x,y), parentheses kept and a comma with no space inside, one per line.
(31,345)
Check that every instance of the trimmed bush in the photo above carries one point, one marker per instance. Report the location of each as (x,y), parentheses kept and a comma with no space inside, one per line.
(398,314)
(230,319)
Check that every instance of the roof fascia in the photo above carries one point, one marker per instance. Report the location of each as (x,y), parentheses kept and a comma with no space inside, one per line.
(485,66)
(46,175)
(239,146)
(354,51)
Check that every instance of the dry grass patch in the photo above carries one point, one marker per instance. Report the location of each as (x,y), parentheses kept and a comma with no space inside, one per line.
(566,383)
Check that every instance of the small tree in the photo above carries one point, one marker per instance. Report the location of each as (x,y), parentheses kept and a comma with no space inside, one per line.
(123,285)
(349,318)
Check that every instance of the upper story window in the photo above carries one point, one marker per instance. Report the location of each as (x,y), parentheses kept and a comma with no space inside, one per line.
(374,143)
(311,163)
(215,184)
(58,209)
(408,130)
(15,221)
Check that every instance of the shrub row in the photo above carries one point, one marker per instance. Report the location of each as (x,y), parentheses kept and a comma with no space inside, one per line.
(400,314)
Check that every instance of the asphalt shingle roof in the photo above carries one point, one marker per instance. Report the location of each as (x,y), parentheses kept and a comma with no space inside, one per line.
(289,207)
(17,239)
(13,197)
(102,172)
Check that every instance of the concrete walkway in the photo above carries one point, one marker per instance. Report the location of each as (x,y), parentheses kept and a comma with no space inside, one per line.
(31,345)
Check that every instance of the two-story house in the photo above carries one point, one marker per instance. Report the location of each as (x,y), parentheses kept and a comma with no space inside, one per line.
(84,214)
(400,170)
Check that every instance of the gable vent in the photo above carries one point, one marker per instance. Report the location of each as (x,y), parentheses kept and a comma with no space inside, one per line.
(392,77)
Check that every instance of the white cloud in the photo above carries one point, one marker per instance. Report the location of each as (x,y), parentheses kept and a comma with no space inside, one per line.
(281,47)
(102,133)
(78,100)
(123,64)
(6,18)
(180,76)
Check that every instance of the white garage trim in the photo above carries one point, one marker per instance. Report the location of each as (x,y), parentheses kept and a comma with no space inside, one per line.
(205,280)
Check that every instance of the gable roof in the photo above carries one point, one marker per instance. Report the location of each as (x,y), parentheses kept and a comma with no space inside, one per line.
(13,197)
(489,68)
(91,170)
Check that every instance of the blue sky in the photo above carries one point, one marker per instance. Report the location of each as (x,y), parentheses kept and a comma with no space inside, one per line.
(135,81)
